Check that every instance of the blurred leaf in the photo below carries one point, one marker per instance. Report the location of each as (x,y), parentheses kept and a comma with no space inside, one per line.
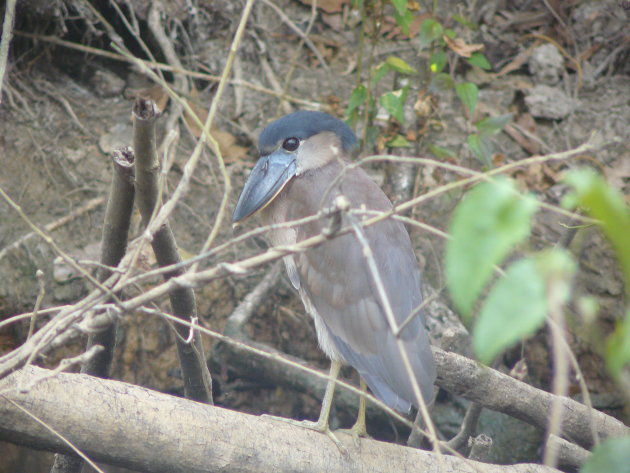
(612,455)
(486,225)
(493,125)
(468,93)
(441,82)
(450,33)
(515,308)
(400,6)
(465,22)
(479,60)
(557,268)
(437,62)
(371,136)
(393,102)
(607,205)
(618,347)
(404,21)
(430,30)
(398,141)
(461,47)
(481,147)
(379,72)
(357,98)
(399,65)
(441,153)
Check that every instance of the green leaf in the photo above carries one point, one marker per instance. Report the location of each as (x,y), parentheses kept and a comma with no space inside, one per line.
(493,125)
(481,147)
(399,65)
(441,153)
(612,455)
(618,347)
(441,82)
(517,305)
(465,22)
(450,33)
(430,30)
(357,99)
(468,93)
(404,21)
(379,72)
(486,225)
(437,62)
(400,6)
(514,309)
(393,102)
(398,141)
(606,204)
(479,60)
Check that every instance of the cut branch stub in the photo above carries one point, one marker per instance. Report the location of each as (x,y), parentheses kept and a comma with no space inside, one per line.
(197,380)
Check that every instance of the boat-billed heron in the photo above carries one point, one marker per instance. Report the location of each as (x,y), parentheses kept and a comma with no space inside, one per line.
(302,170)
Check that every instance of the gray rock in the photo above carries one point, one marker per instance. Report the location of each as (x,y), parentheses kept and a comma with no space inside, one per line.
(550,102)
(546,64)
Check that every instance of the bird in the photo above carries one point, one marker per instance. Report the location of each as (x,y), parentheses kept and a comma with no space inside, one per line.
(303,169)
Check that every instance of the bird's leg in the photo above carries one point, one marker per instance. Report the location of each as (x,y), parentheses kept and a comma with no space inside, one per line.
(324,415)
(359,429)
(322,423)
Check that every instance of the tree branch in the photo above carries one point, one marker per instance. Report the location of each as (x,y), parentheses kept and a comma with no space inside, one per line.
(197,380)
(113,248)
(502,393)
(133,427)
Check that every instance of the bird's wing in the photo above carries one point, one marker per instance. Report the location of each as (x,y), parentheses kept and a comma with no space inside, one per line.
(341,291)
(338,281)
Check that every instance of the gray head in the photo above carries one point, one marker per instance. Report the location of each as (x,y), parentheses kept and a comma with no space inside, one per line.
(299,142)
(302,125)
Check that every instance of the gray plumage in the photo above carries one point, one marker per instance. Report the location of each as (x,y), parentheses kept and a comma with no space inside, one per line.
(333,279)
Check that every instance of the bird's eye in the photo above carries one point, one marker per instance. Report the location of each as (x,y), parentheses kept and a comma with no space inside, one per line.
(291,144)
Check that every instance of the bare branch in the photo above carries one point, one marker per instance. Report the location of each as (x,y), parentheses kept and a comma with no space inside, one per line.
(7,35)
(505,394)
(192,437)
(113,248)
(197,380)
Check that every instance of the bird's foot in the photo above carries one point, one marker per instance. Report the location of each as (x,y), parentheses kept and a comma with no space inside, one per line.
(357,431)
(319,426)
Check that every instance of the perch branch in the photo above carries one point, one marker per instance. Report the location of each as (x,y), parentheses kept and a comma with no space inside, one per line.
(191,437)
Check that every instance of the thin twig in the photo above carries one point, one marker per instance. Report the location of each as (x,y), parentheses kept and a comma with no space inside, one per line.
(39,274)
(393,326)
(245,309)
(474,177)
(7,35)
(468,427)
(303,36)
(296,54)
(560,384)
(166,67)
(27,315)
(214,106)
(51,242)
(52,226)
